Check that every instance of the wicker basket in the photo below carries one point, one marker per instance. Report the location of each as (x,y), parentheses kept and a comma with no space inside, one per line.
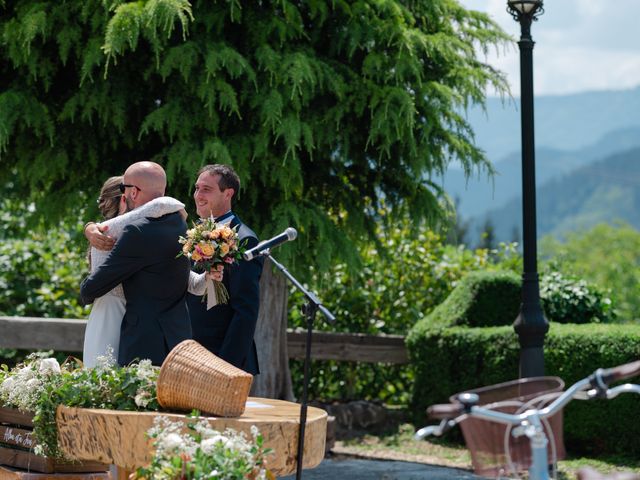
(192,377)
(486,439)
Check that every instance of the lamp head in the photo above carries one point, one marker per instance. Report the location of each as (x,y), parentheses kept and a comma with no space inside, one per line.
(529,9)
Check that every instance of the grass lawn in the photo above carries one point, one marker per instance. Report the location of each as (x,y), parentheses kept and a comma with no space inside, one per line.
(400,445)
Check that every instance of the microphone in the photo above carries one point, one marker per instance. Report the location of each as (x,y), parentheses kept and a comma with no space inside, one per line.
(287,235)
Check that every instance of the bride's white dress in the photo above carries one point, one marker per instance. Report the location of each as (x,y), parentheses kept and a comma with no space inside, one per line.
(103,326)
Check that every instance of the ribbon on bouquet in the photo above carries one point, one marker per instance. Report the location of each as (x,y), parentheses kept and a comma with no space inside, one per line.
(212,294)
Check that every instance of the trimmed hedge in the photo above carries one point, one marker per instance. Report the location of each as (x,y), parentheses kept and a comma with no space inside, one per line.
(492,298)
(482,299)
(450,360)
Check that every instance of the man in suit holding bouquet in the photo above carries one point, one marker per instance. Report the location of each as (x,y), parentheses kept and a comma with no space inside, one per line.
(227,329)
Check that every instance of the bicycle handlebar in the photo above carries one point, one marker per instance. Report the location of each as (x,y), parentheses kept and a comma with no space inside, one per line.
(599,380)
(614,374)
(445,410)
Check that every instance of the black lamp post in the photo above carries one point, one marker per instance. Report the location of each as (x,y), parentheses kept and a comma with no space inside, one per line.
(531,325)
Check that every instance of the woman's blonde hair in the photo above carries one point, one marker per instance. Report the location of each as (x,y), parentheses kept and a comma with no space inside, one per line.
(109,199)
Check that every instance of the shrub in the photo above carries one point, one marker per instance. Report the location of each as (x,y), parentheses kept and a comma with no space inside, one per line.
(481,299)
(492,298)
(607,256)
(387,295)
(40,268)
(568,299)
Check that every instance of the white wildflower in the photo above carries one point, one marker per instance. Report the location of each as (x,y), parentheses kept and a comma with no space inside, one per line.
(146,371)
(172,442)
(107,361)
(208,445)
(49,366)
(142,398)
(7,385)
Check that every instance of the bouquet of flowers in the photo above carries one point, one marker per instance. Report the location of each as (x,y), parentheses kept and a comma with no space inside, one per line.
(210,245)
(204,453)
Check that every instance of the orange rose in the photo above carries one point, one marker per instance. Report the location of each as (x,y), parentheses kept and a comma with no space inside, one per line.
(226,233)
(196,257)
(207,249)
(224,249)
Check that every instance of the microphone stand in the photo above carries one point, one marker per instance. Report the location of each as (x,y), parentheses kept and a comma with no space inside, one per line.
(309,310)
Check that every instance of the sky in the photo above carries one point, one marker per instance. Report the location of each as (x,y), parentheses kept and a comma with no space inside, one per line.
(580,45)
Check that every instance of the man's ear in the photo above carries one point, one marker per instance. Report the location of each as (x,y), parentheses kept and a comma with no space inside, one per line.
(229,193)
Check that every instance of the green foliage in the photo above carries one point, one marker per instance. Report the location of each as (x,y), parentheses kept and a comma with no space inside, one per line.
(481,299)
(568,299)
(117,388)
(608,256)
(451,360)
(321,132)
(391,292)
(388,295)
(486,298)
(40,267)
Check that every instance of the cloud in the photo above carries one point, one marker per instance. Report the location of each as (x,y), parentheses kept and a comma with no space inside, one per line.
(580,45)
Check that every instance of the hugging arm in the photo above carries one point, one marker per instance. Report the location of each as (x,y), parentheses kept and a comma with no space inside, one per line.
(124,260)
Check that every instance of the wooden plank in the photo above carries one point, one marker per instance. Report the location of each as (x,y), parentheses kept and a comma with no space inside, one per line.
(26,460)
(32,462)
(42,333)
(11,416)
(68,335)
(16,436)
(118,437)
(10,473)
(352,347)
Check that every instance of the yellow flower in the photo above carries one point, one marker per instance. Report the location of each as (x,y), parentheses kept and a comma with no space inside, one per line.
(196,257)
(226,233)
(207,249)
(224,249)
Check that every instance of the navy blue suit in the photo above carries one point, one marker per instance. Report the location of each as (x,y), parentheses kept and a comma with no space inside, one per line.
(155,286)
(227,330)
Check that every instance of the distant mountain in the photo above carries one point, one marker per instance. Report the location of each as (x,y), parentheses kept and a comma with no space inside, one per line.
(562,122)
(478,195)
(603,191)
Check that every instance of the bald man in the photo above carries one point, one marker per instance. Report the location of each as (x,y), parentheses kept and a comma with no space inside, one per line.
(154,280)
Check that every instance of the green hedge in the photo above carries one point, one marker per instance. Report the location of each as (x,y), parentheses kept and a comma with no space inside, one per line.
(482,299)
(450,360)
(492,298)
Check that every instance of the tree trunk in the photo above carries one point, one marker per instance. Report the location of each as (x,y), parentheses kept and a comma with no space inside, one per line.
(274,380)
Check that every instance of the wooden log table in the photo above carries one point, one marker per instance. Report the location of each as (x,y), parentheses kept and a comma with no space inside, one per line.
(118,437)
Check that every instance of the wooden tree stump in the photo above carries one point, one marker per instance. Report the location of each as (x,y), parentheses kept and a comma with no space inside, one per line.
(118,437)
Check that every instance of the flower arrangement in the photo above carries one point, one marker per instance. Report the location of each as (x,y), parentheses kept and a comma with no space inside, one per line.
(22,387)
(40,384)
(204,453)
(210,245)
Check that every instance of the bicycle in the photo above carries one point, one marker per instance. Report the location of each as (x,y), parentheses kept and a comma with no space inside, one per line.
(530,422)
